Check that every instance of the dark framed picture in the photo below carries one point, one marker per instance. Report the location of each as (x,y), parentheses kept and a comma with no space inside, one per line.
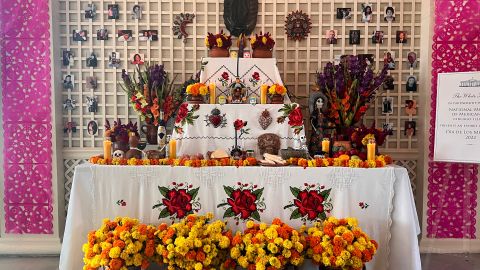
(113,11)
(387,105)
(411,84)
(92,60)
(389,83)
(90,11)
(150,35)
(410,128)
(69,104)
(68,82)
(136,12)
(388,127)
(331,36)
(344,13)
(389,14)
(354,37)
(369,58)
(92,128)
(92,82)
(389,60)
(102,34)
(67,58)
(401,37)
(412,59)
(124,35)
(79,35)
(411,107)
(114,60)
(377,37)
(367,13)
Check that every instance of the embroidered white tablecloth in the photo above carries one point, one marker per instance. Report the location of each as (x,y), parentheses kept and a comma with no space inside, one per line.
(380,198)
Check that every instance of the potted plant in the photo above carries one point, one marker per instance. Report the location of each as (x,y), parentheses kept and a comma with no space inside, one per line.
(196,93)
(119,134)
(276,93)
(218,44)
(262,45)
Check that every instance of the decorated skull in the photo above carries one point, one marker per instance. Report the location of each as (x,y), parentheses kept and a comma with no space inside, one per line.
(118,154)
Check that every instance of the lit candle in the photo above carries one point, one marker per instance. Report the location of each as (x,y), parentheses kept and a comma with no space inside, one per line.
(263,94)
(107,149)
(213,94)
(326,145)
(172,148)
(371,147)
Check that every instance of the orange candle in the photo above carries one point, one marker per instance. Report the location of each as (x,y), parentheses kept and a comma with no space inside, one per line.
(172,148)
(263,94)
(213,94)
(326,145)
(371,147)
(107,149)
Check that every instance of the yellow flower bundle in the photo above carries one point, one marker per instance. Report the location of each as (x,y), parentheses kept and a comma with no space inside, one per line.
(277,89)
(197,89)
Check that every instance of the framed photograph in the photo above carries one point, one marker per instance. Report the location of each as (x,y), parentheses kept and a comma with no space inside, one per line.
(389,60)
(114,60)
(389,83)
(92,60)
(136,12)
(102,34)
(369,58)
(90,11)
(92,104)
(344,13)
(401,37)
(124,35)
(69,104)
(377,37)
(387,105)
(354,37)
(137,58)
(113,12)
(411,84)
(367,13)
(388,127)
(67,58)
(150,35)
(79,35)
(410,128)
(92,82)
(252,100)
(92,128)
(411,107)
(389,14)
(412,59)
(68,82)
(331,36)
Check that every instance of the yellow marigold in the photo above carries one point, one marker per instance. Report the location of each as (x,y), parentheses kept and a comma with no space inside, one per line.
(198,266)
(234,253)
(339,262)
(287,244)
(146,162)
(275,262)
(250,224)
(326,261)
(203,90)
(264,40)
(243,262)
(252,40)
(259,266)
(367,138)
(206,42)
(263,226)
(219,42)
(271,90)
(272,248)
(114,252)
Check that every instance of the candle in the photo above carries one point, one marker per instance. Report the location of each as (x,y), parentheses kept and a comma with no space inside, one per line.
(107,149)
(326,145)
(263,94)
(172,148)
(213,94)
(371,147)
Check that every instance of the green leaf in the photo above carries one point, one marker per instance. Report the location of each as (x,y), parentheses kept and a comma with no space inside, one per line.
(288,206)
(164,213)
(322,216)
(163,191)
(157,205)
(295,191)
(228,213)
(325,193)
(222,205)
(195,117)
(295,214)
(228,190)
(255,215)
(193,193)
(258,193)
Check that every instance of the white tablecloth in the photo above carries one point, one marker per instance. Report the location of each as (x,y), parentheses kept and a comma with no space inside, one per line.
(200,137)
(108,191)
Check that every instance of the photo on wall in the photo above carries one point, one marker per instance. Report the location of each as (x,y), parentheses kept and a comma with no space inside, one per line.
(411,107)
(90,11)
(401,37)
(67,58)
(113,12)
(92,60)
(102,34)
(331,36)
(389,83)
(124,35)
(389,60)
(411,84)
(389,14)
(387,105)
(114,60)
(92,127)
(344,13)
(377,37)
(410,128)
(92,82)
(137,12)
(79,35)
(354,37)
(68,82)
(367,13)
(148,35)
(137,58)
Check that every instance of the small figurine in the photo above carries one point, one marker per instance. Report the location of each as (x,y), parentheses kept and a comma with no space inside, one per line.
(118,154)
(238,91)
(134,152)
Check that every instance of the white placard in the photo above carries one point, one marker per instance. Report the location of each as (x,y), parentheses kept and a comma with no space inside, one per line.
(457,126)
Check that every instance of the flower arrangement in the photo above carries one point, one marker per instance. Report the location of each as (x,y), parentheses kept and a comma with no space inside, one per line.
(263,246)
(220,40)
(342,161)
(120,132)
(151,92)
(197,89)
(294,115)
(194,243)
(361,135)
(349,88)
(120,243)
(340,243)
(185,116)
(262,41)
(277,89)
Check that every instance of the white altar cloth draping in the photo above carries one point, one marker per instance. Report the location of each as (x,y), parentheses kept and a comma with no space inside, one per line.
(108,191)
(200,137)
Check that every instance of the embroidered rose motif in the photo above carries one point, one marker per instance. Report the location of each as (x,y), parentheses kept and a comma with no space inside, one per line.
(311,202)
(178,201)
(244,202)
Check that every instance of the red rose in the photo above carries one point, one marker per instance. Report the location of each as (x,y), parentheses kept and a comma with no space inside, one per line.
(256,76)
(295,118)
(182,112)
(178,202)
(225,76)
(309,203)
(243,203)
(239,124)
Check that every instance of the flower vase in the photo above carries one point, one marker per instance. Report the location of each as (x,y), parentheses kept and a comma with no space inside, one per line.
(262,52)
(276,99)
(151,132)
(218,52)
(195,99)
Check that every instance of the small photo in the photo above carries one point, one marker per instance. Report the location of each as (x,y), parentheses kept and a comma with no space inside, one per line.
(367,13)
(410,128)
(387,105)
(389,14)
(388,127)
(67,58)
(369,58)
(344,13)
(124,35)
(92,60)
(411,107)
(92,128)
(113,11)
(354,37)
(412,59)
(70,127)
(136,12)
(68,82)
(377,37)
(389,60)
(90,11)
(92,82)
(150,35)
(389,82)
(92,104)
(331,36)
(136,58)
(401,37)
(411,84)
(79,35)
(114,60)
(69,104)
(102,34)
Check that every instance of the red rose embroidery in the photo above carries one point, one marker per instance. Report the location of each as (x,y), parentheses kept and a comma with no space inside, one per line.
(239,124)
(178,202)
(242,203)
(225,76)
(295,118)
(256,76)
(309,203)
(182,112)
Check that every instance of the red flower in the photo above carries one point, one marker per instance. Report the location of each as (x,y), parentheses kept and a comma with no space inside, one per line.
(239,124)
(256,76)
(178,202)
(243,203)
(309,203)
(225,76)
(295,118)
(182,112)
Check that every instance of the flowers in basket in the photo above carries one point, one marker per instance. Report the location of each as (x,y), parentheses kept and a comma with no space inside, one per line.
(194,243)
(263,246)
(340,243)
(276,89)
(349,87)
(120,132)
(120,243)
(262,41)
(220,40)
(197,89)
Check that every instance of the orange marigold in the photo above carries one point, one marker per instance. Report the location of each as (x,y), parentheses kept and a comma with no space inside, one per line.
(116,264)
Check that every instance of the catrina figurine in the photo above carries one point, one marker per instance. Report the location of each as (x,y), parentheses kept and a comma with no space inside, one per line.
(240,16)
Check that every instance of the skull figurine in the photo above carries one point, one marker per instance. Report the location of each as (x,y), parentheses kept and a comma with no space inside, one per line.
(118,154)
